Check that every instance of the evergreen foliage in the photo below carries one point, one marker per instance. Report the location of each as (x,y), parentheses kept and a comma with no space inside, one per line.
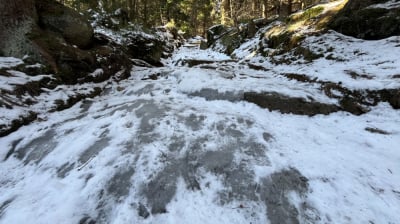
(193,16)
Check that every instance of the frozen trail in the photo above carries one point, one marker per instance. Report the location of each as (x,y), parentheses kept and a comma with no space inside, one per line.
(179,144)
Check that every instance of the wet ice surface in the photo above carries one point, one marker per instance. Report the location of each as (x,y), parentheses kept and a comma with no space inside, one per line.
(186,149)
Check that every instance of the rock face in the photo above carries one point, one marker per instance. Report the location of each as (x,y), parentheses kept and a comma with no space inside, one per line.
(57,18)
(369,19)
(226,39)
(148,48)
(64,41)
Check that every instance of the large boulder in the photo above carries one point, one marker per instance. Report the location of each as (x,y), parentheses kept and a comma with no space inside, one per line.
(368,19)
(73,27)
(61,39)
(145,47)
(215,32)
(74,65)
(224,39)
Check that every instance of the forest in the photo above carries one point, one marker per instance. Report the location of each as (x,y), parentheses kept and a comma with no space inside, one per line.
(193,16)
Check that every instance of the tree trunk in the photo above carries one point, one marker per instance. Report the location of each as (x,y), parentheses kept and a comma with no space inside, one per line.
(225,12)
(265,8)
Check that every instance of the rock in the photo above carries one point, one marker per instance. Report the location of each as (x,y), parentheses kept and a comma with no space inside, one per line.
(377,131)
(251,29)
(360,20)
(225,39)
(121,15)
(194,62)
(171,39)
(395,100)
(55,17)
(352,105)
(17,123)
(63,41)
(146,47)
(142,211)
(285,104)
(214,33)
(203,45)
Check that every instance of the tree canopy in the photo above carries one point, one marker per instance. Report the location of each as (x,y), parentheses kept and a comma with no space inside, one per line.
(193,16)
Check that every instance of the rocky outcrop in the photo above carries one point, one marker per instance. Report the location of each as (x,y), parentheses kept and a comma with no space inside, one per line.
(64,41)
(146,47)
(62,20)
(368,19)
(226,39)
(275,101)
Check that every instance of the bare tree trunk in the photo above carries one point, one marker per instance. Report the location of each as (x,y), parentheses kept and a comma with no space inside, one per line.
(225,12)
(265,8)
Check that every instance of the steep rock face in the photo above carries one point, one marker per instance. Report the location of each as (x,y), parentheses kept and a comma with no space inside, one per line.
(16,20)
(370,19)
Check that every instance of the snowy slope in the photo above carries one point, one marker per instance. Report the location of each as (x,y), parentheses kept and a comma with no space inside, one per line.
(186,148)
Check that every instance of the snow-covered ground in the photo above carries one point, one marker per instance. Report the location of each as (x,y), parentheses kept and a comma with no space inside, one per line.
(186,148)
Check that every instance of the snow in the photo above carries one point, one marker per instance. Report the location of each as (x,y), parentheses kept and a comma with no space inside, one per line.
(6,62)
(209,157)
(387,5)
(193,53)
(349,55)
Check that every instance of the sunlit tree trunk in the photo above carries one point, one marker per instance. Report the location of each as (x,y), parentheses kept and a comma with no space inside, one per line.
(225,12)
(265,8)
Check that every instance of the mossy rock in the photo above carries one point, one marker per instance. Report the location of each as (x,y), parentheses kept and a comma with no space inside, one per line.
(307,54)
(230,42)
(277,41)
(360,21)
